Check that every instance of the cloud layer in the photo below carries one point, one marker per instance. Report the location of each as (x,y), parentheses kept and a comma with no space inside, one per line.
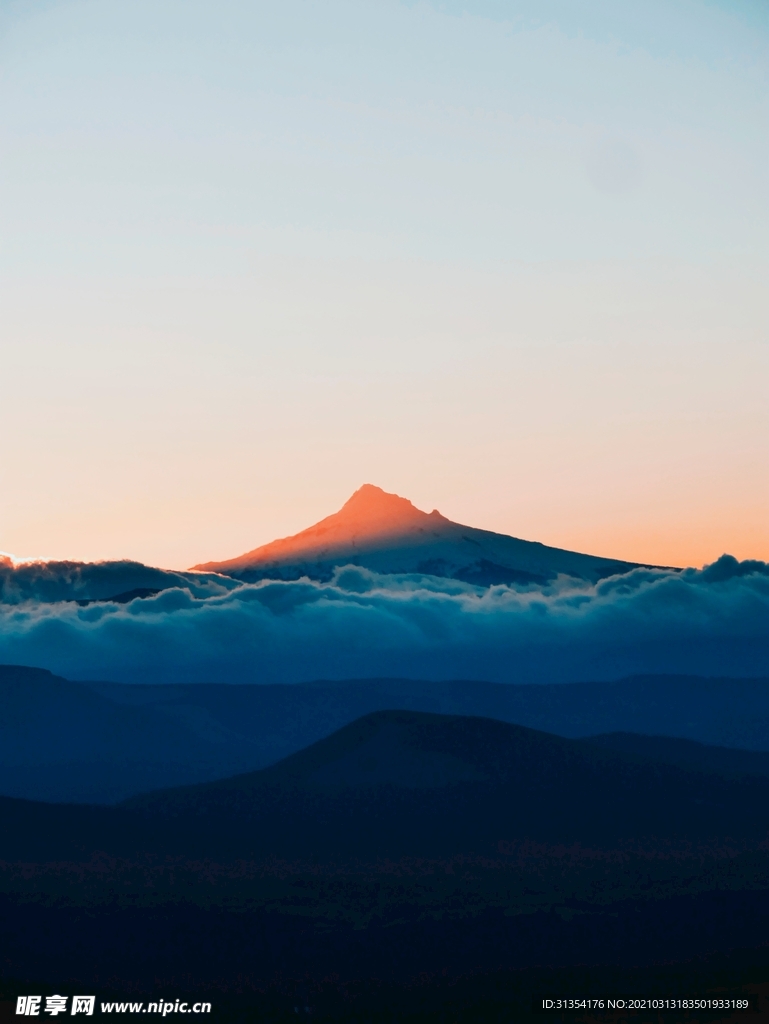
(713,621)
(52,582)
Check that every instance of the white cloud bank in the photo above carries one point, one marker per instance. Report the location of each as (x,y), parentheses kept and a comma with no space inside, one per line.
(713,621)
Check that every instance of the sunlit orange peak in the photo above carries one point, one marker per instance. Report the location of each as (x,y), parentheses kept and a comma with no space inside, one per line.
(370,515)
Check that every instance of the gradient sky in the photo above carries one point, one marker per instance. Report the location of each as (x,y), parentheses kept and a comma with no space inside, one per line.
(508,259)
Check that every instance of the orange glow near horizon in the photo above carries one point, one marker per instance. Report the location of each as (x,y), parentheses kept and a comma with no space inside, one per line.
(674,548)
(652,449)
(694,544)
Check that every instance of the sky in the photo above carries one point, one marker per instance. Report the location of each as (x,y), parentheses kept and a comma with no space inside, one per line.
(507,259)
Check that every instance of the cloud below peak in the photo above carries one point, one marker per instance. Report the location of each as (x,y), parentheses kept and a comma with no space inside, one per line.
(363,624)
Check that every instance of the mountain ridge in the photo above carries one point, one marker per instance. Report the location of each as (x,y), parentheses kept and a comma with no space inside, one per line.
(102,742)
(408,783)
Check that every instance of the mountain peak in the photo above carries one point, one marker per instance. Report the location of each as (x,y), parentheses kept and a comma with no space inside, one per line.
(387,534)
(369,518)
(371,507)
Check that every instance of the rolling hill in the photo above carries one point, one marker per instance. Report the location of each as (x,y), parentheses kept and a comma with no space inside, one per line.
(405,783)
(398,783)
(406,845)
(103,742)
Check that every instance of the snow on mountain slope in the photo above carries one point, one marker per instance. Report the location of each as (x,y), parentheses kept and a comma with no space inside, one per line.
(387,534)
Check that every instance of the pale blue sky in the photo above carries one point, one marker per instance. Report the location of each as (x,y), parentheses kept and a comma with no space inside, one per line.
(381,129)
(508,259)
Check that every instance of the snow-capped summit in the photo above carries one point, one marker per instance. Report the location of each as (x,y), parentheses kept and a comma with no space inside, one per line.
(387,534)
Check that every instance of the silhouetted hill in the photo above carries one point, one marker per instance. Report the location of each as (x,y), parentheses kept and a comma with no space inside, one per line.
(721,712)
(687,754)
(61,740)
(386,533)
(396,783)
(405,843)
(102,742)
